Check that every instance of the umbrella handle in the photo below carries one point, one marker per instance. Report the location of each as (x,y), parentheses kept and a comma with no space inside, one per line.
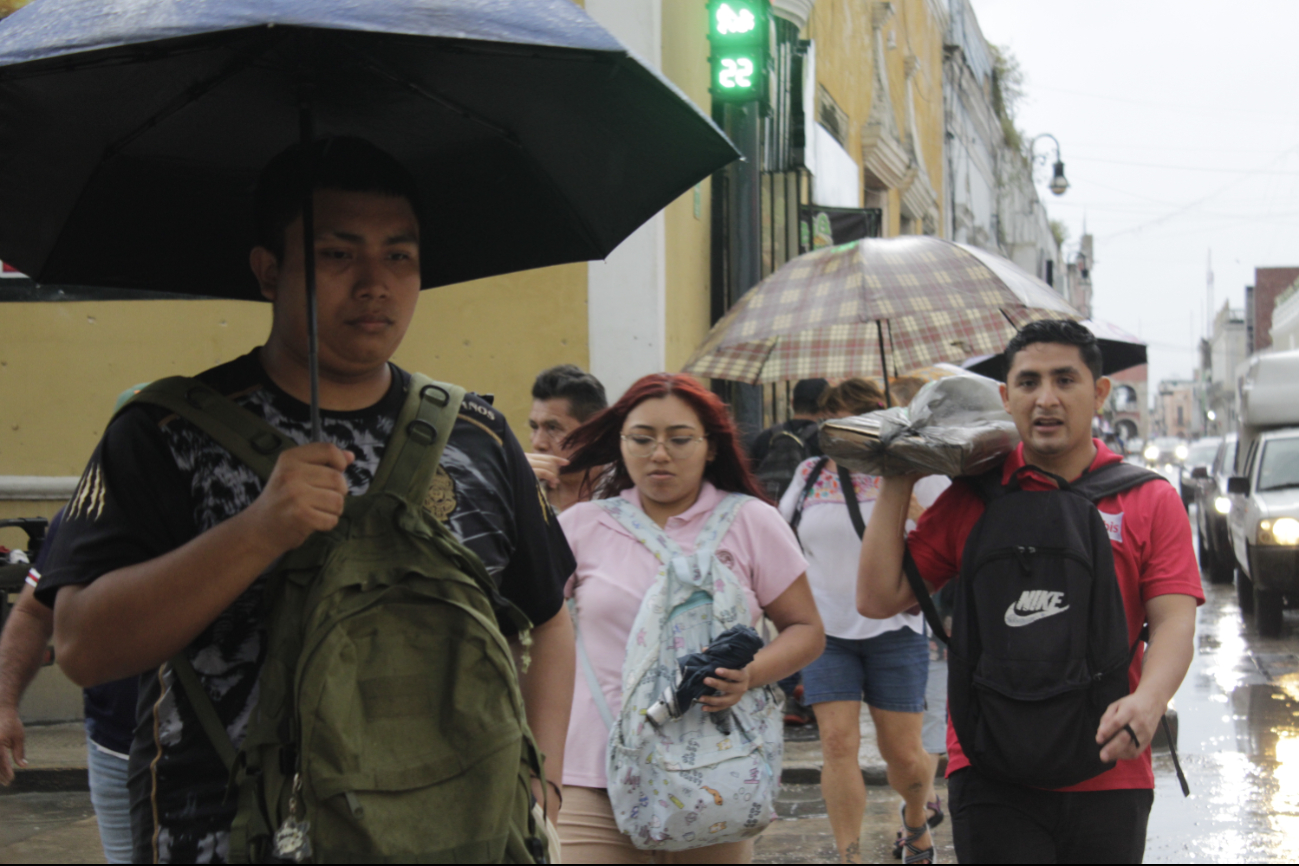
(306,132)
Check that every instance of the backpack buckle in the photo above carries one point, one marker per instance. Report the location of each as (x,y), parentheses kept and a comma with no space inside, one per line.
(441,401)
(265,442)
(422,431)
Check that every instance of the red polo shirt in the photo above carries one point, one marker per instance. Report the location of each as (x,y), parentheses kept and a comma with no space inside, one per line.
(1153,555)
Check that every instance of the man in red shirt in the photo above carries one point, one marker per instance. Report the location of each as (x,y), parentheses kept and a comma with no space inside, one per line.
(1053,389)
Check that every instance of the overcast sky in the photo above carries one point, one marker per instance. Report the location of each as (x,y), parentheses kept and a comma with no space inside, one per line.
(1179,128)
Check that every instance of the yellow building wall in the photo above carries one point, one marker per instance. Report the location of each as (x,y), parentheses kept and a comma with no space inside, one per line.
(63,364)
(687,220)
(845,66)
(494,336)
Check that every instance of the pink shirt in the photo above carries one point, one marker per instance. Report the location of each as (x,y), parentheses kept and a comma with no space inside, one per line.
(614,571)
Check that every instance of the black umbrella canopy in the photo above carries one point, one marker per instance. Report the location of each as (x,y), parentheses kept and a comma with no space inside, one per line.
(132,131)
(1119,351)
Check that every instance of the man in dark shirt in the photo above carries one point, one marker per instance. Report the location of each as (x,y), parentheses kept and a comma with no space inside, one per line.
(171,536)
(807,393)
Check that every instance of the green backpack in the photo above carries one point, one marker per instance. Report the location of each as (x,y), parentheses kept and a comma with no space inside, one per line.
(389,724)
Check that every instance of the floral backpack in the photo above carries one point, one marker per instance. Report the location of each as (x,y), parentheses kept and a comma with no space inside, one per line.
(687,784)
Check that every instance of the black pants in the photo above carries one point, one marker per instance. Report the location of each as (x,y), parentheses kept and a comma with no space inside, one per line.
(997,822)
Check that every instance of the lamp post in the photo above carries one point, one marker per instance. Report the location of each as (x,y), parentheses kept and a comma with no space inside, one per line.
(1058,183)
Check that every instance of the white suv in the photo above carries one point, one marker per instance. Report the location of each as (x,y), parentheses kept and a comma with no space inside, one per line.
(1264,524)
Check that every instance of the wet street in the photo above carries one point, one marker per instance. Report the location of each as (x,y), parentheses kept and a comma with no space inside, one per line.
(1238,712)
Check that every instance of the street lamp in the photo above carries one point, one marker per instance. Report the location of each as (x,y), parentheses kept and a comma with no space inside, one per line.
(1058,183)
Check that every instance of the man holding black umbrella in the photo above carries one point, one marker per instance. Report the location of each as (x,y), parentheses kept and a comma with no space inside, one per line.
(174,535)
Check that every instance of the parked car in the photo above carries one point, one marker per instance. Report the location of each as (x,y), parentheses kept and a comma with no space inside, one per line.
(1264,516)
(1212,505)
(1200,453)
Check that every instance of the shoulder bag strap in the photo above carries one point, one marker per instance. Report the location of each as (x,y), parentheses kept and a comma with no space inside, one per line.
(850,499)
(423,428)
(921,592)
(588,670)
(248,438)
(812,478)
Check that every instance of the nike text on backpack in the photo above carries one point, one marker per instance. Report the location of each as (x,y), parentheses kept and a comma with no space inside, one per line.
(686,784)
(786,452)
(389,725)
(1039,643)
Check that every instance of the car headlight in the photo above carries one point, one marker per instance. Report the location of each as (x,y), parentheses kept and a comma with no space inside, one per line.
(1181,452)
(1151,452)
(1283,530)
(1222,505)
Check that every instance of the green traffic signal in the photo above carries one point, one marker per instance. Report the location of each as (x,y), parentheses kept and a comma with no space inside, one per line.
(737,32)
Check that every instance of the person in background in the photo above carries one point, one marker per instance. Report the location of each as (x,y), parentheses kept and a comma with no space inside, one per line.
(109,708)
(882,661)
(806,413)
(670,448)
(563,397)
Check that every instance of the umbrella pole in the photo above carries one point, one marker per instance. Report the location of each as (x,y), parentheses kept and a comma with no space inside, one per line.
(884,364)
(307,135)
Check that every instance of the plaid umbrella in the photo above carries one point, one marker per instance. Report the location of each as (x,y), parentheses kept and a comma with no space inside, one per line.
(836,312)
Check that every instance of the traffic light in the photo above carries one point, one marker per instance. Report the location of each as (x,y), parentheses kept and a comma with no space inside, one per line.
(737,34)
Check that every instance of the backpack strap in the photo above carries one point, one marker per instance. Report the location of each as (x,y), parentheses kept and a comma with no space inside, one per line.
(644,530)
(588,669)
(1112,479)
(719,522)
(248,438)
(204,709)
(415,448)
(812,478)
(987,486)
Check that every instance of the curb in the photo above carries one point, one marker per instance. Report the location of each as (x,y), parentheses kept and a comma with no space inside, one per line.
(876,775)
(48,781)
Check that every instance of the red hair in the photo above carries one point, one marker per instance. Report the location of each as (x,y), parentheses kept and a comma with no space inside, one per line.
(597,443)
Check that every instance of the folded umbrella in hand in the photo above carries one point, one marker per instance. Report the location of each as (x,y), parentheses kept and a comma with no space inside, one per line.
(732,649)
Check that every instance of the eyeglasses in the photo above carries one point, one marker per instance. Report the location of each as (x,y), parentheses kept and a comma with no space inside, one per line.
(554,434)
(678,447)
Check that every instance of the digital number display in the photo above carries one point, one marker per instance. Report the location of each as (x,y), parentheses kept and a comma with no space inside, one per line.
(737,33)
(731,21)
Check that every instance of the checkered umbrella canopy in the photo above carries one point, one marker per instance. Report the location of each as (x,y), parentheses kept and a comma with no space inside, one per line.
(822,314)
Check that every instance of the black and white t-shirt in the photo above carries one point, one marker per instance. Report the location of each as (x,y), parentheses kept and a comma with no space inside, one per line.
(156,481)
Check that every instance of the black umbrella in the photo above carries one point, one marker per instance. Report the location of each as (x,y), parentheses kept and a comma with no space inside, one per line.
(132,131)
(732,649)
(1119,351)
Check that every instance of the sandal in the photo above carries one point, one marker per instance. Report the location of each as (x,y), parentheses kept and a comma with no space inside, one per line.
(913,854)
(936,807)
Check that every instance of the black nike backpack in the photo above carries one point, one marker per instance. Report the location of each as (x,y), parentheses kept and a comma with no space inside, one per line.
(1039,641)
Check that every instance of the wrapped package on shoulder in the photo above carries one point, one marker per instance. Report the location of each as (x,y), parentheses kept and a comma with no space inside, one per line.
(955,426)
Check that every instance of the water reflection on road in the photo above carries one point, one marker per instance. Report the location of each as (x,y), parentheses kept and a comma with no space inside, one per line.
(1238,711)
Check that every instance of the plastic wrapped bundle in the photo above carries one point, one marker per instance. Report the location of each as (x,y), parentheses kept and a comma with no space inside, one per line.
(954,426)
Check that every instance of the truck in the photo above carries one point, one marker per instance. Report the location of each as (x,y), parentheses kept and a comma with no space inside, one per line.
(1264,491)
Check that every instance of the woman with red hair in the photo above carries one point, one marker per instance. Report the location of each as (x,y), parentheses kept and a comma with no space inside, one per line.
(670,450)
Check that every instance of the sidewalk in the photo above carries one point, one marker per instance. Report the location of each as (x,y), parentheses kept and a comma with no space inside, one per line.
(45,816)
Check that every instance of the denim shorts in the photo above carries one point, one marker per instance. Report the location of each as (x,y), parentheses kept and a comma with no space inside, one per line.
(887,671)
